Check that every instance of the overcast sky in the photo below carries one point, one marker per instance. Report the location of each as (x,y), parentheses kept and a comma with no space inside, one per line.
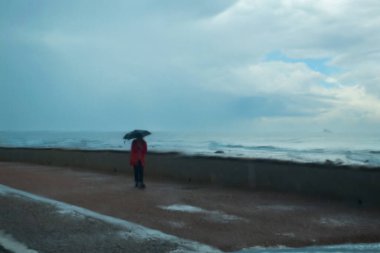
(190,65)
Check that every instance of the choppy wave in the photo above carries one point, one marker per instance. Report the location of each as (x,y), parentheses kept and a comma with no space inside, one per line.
(339,149)
(331,155)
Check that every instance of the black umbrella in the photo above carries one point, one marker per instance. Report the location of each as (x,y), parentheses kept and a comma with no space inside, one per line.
(135,134)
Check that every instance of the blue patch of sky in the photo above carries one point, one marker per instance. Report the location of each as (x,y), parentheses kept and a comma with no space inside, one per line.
(317,64)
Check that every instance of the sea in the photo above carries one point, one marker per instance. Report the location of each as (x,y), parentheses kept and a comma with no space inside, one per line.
(319,147)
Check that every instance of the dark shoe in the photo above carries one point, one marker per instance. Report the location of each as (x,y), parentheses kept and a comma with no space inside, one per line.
(142,186)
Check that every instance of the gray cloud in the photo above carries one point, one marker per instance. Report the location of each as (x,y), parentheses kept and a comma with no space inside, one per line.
(185,65)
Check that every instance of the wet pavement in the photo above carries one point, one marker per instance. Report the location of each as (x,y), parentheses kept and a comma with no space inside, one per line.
(227,219)
(32,224)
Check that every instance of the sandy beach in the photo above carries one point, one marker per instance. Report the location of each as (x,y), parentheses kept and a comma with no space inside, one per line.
(226,218)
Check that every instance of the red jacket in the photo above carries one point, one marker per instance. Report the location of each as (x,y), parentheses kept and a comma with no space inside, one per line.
(138,151)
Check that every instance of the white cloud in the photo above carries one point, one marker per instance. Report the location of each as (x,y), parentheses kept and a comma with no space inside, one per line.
(343,31)
(353,103)
(340,109)
(272,78)
(318,99)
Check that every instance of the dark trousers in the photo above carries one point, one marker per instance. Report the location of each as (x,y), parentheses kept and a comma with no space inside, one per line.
(139,173)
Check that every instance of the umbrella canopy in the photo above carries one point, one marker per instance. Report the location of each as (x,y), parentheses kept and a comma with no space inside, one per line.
(135,134)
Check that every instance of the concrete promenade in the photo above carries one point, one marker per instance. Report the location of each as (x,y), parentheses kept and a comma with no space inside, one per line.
(356,185)
(226,219)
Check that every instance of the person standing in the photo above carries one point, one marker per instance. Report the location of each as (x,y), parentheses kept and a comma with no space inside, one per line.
(137,160)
